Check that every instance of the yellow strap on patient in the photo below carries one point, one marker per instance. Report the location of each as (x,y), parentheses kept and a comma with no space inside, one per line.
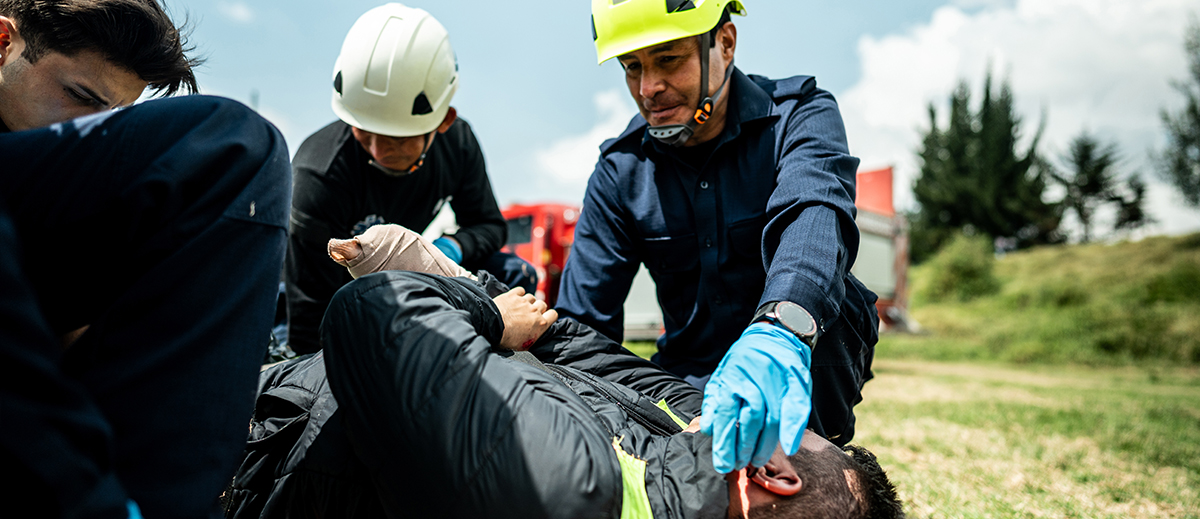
(635,504)
(662,404)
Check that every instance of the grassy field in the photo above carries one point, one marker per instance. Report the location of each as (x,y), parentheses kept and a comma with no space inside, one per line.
(1059,382)
(980,440)
(986,439)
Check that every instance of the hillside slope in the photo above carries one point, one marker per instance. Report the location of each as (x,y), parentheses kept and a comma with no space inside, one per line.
(1093,304)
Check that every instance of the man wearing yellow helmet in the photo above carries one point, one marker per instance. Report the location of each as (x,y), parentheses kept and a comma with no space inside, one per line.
(737,193)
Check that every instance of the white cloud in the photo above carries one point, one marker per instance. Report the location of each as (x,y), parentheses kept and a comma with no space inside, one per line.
(238,12)
(565,165)
(1101,65)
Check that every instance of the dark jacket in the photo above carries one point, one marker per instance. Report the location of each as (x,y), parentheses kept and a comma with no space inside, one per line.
(161,227)
(338,194)
(442,424)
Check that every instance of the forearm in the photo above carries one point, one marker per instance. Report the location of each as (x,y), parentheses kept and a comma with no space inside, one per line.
(479,241)
(809,264)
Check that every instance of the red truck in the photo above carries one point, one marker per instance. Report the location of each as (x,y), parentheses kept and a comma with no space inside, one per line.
(542,234)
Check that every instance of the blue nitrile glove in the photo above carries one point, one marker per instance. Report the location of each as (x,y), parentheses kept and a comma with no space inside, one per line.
(134,511)
(449,248)
(760,395)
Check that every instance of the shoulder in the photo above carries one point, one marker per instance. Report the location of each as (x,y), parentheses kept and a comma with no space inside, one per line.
(795,87)
(460,130)
(318,152)
(629,140)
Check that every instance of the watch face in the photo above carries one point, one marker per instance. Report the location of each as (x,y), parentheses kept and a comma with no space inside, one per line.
(794,317)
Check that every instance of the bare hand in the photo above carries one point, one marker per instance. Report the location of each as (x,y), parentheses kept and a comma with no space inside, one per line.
(525,318)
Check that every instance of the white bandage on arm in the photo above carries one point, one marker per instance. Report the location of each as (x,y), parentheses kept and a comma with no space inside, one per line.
(392,247)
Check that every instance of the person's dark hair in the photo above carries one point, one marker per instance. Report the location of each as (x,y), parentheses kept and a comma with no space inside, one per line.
(880,493)
(135,34)
(828,494)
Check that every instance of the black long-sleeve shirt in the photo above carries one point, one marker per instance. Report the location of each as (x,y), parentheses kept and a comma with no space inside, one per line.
(338,194)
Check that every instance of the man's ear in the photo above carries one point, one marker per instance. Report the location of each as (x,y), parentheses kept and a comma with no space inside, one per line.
(10,39)
(727,41)
(779,478)
(451,116)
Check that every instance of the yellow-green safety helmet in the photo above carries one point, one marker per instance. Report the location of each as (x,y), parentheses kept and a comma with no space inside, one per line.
(623,26)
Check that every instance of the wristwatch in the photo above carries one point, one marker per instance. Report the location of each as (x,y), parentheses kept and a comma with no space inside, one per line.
(791,317)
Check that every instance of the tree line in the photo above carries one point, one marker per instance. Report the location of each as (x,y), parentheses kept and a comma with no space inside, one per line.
(976,178)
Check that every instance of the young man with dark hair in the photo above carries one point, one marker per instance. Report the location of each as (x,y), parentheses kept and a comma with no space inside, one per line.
(61,59)
(398,154)
(140,252)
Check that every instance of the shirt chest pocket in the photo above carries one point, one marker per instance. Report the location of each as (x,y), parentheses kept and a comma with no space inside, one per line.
(745,238)
(671,254)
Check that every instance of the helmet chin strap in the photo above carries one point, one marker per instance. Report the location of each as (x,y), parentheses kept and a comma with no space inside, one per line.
(678,134)
(412,169)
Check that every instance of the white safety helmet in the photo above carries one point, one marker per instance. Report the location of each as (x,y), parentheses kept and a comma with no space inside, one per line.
(396,73)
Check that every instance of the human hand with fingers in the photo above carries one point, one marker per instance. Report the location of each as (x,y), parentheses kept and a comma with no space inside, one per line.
(759,397)
(525,317)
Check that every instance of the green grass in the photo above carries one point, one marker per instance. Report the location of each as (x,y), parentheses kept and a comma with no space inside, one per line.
(1099,304)
(1066,386)
(988,440)
(642,349)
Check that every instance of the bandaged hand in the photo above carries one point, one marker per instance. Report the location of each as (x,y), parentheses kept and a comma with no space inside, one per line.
(525,317)
(392,247)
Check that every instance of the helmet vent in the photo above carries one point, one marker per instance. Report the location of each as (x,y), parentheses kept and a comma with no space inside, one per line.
(337,83)
(421,105)
(594,36)
(676,6)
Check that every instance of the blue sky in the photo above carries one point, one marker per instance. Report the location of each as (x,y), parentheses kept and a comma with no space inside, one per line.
(540,104)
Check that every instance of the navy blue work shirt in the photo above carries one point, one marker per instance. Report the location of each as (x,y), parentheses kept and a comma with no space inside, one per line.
(768,216)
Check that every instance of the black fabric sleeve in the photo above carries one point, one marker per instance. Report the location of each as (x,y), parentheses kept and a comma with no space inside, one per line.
(311,278)
(569,343)
(482,229)
(448,429)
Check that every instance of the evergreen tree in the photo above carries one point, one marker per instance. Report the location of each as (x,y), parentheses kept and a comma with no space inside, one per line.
(1180,163)
(974,180)
(1091,181)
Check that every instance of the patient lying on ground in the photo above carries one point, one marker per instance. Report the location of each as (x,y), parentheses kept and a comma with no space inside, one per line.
(435,416)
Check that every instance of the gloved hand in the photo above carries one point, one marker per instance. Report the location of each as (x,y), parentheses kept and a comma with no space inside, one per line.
(134,511)
(760,395)
(450,248)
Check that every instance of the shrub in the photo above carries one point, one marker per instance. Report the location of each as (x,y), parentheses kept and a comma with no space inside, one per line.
(963,270)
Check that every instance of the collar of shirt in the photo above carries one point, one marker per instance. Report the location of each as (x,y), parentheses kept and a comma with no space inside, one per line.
(747,104)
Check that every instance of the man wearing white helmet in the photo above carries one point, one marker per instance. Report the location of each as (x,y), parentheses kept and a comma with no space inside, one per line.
(737,193)
(397,155)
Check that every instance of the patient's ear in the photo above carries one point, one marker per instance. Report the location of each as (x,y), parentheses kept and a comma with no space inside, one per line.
(778,476)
